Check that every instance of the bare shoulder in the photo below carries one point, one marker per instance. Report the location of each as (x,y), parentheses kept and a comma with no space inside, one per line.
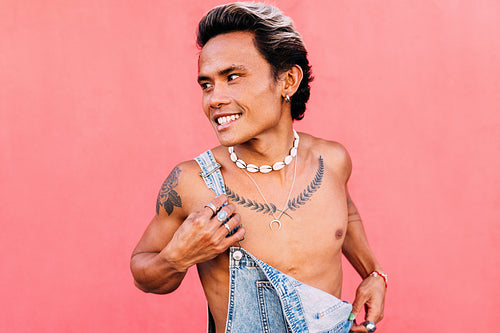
(335,156)
(181,191)
(176,199)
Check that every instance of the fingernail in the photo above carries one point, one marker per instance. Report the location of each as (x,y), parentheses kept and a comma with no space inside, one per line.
(242,225)
(351,317)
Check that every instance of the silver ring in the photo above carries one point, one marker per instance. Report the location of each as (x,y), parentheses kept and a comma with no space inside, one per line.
(212,207)
(370,326)
(222,216)
(227,227)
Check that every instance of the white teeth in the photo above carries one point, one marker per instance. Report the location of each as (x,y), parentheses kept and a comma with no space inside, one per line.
(226,119)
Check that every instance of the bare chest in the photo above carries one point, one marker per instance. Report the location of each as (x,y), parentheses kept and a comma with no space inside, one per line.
(288,232)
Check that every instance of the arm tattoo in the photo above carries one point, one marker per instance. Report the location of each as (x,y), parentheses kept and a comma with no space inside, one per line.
(353,215)
(168,197)
(293,204)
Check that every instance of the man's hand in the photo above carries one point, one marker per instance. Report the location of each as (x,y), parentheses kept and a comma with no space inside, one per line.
(371,295)
(167,249)
(202,236)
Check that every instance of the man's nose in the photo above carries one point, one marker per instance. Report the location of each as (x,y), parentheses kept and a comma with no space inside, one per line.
(219,96)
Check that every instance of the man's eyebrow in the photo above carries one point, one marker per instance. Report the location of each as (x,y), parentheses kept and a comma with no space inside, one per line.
(223,72)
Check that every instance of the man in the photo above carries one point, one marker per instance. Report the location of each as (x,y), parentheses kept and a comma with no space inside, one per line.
(284,215)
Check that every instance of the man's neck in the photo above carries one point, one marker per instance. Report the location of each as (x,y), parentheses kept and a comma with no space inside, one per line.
(267,148)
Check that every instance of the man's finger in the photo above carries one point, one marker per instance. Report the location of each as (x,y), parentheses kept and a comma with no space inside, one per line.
(227,228)
(358,304)
(374,314)
(234,238)
(358,328)
(224,214)
(215,204)
(234,221)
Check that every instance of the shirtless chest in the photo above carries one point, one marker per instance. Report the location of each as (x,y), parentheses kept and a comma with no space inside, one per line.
(309,241)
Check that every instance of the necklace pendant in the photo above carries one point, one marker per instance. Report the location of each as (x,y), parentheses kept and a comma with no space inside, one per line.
(275,221)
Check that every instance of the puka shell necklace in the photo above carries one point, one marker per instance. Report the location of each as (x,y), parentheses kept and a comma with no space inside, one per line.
(266,168)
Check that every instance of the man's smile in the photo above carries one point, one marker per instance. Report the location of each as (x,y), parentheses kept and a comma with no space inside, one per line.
(226,119)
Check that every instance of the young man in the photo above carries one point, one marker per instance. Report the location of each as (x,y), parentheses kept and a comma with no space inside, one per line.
(282,213)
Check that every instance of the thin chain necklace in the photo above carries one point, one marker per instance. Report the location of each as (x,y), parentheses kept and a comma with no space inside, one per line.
(276,219)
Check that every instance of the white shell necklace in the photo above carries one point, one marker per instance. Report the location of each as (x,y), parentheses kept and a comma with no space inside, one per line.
(279,165)
(266,168)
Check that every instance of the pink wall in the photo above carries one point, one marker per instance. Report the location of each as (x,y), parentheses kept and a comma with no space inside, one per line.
(98,101)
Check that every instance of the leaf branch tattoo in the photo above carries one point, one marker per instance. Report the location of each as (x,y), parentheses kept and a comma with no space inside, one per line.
(168,198)
(253,205)
(293,204)
(315,184)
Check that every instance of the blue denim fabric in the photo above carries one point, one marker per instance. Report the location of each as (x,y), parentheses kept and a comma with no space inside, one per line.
(262,299)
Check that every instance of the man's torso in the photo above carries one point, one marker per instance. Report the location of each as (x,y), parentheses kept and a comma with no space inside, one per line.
(308,246)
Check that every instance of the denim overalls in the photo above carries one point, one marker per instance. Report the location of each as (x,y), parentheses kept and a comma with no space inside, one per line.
(262,299)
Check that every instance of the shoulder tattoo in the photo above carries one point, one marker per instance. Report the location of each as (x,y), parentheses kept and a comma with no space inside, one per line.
(168,198)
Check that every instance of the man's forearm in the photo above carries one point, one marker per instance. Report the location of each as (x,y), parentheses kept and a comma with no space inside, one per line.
(154,274)
(355,247)
(370,294)
(357,250)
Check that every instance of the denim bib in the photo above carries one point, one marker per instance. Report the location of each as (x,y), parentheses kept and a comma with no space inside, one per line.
(263,299)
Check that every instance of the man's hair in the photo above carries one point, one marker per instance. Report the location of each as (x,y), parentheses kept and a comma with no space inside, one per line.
(275,38)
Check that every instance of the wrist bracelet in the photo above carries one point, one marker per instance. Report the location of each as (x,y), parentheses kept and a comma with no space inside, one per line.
(382,275)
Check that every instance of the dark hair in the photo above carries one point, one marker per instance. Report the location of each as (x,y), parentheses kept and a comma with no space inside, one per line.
(275,38)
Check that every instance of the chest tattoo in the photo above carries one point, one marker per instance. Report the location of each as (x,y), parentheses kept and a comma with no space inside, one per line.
(293,204)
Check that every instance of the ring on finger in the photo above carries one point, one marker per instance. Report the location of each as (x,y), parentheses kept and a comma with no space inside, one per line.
(222,216)
(370,326)
(227,227)
(212,207)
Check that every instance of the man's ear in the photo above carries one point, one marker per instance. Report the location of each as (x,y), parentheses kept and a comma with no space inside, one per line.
(291,80)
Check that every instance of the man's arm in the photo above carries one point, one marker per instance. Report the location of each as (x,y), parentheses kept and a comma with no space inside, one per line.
(371,292)
(176,240)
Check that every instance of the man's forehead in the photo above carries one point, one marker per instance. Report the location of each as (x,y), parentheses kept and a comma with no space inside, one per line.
(235,49)
(229,40)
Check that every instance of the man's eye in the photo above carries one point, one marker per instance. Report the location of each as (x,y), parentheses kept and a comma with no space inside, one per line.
(205,85)
(231,77)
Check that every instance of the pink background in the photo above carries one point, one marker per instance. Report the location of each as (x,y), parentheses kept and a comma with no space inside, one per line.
(98,101)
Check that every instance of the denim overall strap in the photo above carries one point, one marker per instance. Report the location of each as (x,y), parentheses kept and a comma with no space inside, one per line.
(210,172)
(306,309)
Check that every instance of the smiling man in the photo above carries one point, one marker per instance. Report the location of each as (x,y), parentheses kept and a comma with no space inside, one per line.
(266,215)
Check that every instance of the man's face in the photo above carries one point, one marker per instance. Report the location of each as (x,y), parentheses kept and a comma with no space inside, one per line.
(241,98)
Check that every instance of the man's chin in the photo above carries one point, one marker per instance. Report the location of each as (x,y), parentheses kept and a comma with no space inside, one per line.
(227,140)
(228,143)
